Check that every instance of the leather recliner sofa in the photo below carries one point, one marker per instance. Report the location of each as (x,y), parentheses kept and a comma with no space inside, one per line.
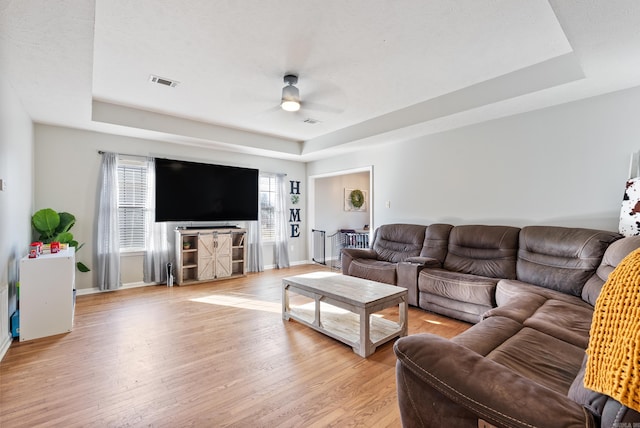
(531,293)
(522,365)
(478,257)
(454,270)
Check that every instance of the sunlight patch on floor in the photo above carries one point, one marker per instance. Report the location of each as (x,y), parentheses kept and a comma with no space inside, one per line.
(240,302)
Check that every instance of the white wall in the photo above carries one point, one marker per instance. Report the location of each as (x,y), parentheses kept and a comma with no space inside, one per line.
(67,164)
(564,165)
(16,201)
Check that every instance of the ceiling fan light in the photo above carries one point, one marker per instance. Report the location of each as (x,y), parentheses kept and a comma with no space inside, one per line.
(290,105)
(290,98)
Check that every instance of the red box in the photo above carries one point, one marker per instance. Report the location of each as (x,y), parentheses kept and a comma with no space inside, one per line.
(55,247)
(33,250)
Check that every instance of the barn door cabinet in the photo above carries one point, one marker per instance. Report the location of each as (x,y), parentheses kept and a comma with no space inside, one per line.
(209,254)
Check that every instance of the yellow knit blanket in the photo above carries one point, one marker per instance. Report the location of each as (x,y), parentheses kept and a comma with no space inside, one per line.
(613,366)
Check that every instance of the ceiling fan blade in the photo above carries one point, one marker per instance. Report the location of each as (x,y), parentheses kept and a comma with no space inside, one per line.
(271,109)
(277,110)
(321,107)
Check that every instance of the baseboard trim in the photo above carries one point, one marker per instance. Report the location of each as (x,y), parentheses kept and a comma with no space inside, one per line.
(95,290)
(302,262)
(4,346)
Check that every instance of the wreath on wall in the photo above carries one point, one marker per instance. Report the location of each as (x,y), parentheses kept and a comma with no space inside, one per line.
(357,198)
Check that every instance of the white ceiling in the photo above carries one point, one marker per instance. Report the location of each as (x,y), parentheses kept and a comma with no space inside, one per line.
(370,71)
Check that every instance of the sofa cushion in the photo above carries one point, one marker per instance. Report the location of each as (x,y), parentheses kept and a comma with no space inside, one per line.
(458,286)
(465,311)
(375,270)
(396,242)
(544,359)
(483,250)
(561,258)
(565,321)
(436,241)
(518,308)
(508,289)
(567,318)
(486,336)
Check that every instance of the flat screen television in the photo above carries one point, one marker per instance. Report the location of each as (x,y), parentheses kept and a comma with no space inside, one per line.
(192,191)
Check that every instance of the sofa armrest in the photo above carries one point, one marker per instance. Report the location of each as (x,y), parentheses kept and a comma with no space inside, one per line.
(441,383)
(424,262)
(408,272)
(349,254)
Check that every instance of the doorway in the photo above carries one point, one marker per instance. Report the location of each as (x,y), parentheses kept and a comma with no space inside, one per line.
(331,208)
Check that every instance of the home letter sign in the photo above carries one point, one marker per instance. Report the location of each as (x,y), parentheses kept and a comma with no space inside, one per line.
(294,213)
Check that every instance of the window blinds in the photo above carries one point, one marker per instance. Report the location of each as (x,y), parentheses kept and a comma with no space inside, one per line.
(132,194)
(267,207)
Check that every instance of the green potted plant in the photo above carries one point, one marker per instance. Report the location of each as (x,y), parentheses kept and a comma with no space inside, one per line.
(54,227)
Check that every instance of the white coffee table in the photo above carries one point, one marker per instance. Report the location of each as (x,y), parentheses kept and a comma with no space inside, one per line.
(343,306)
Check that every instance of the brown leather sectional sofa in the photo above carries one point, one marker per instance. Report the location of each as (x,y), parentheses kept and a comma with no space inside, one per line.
(531,293)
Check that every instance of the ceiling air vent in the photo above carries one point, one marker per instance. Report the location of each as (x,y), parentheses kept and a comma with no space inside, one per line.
(162,81)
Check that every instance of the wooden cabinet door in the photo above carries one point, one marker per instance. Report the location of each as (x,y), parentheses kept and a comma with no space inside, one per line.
(206,256)
(223,255)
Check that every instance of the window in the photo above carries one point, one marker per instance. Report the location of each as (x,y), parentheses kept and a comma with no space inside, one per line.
(132,196)
(268,207)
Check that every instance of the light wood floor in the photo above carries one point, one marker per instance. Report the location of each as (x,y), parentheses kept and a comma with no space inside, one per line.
(214,354)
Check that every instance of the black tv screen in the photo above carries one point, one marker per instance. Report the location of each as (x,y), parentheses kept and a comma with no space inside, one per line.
(192,191)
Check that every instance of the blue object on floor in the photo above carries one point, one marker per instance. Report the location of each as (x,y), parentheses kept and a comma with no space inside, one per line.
(15,324)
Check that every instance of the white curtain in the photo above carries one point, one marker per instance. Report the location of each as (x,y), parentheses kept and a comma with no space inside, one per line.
(254,242)
(254,246)
(108,239)
(157,248)
(281,249)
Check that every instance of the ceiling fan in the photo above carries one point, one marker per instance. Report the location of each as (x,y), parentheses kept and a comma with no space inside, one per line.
(291,102)
(290,94)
